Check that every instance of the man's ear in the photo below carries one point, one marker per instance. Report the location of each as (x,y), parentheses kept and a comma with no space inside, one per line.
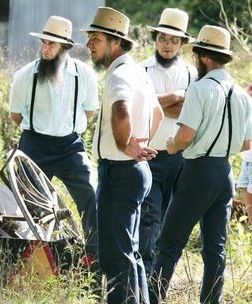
(116,41)
(115,44)
(204,59)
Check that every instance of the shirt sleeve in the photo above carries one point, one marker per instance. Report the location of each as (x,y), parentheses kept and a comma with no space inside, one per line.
(248,135)
(191,112)
(91,103)
(119,88)
(17,96)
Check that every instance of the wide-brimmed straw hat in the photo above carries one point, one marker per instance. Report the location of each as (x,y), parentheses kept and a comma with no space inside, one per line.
(214,38)
(56,29)
(173,21)
(110,21)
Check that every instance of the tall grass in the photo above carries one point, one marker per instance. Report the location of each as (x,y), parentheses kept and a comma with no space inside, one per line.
(78,285)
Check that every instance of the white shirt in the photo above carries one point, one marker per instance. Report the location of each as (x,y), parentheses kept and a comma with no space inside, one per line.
(203,109)
(176,77)
(247,155)
(54,103)
(127,81)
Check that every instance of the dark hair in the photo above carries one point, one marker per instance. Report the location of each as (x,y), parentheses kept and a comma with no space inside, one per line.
(154,34)
(218,57)
(124,44)
(66,46)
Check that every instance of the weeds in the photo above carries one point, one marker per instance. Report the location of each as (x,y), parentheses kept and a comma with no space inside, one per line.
(80,286)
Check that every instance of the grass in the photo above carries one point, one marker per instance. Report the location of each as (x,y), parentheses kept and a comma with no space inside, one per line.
(79,286)
(185,285)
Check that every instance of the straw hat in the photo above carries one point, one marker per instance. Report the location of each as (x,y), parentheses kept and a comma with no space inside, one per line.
(214,38)
(173,21)
(56,29)
(110,21)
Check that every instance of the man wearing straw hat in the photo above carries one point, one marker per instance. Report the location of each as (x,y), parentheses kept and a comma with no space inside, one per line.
(171,77)
(215,122)
(130,114)
(51,99)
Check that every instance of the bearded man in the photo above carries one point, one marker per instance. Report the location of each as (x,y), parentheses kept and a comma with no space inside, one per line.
(52,99)
(171,76)
(215,122)
(129,116)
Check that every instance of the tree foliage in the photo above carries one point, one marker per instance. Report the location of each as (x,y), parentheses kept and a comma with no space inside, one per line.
(235,15)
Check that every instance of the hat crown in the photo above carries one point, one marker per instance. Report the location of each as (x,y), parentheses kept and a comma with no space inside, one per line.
(175,18)
(215,36)
(111,19)
(59,26)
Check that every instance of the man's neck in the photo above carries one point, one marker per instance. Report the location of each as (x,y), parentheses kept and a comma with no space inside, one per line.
(212,65)
(117,54)
(166,63)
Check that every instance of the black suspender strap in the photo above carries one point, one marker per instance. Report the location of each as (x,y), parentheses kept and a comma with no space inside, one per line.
(189,76)
(146,70)
(226,106)
(230,127)
(75,97)
(99,133)
(35,78)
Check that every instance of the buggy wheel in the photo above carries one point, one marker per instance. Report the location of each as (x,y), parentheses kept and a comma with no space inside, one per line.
(45,213)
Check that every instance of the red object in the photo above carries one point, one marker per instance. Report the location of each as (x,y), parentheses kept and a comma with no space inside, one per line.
(87,260)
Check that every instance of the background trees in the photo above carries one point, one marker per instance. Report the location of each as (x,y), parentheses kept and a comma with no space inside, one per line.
(235,15)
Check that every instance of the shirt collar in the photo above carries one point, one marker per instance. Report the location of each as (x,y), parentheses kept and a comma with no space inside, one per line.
(125,58)
(70,66)
(219,74)
(152,61)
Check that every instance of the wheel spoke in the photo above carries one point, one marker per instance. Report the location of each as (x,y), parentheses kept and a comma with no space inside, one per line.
(42,208)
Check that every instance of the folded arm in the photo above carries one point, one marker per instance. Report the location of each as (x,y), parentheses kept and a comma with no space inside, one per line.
(171,102)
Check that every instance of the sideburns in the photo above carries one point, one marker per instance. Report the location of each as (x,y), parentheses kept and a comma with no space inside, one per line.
(103,63)
(202,70)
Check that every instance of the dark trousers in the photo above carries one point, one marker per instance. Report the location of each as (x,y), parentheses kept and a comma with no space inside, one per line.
(122,188)
(164,169)
(65,158)
(202,193)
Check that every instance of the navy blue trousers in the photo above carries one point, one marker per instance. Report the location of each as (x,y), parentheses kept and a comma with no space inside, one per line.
(65,158)
(202,193)
(122,188)
(164,169)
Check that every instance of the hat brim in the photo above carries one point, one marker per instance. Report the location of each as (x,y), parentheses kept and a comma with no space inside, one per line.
(170,32)
(51,38)
(96,29)
(189,46)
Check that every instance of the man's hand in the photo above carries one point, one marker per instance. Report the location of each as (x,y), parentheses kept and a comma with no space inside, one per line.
(136,149)
(171,149)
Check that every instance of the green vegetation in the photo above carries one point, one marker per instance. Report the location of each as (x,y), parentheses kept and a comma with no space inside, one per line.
(236,15)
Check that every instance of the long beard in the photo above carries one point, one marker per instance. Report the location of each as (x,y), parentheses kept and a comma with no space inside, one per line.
(202,70)
(166,63)
(103,63)
(48,69)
